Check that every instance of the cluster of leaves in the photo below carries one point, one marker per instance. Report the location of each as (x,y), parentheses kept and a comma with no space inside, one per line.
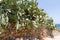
(24,13)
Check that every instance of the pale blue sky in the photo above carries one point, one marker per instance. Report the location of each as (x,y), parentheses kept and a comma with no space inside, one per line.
(52,7)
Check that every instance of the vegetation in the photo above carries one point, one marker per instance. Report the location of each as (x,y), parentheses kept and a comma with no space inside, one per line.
(22,16)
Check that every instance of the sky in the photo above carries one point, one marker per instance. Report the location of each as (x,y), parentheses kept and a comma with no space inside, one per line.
(52,8)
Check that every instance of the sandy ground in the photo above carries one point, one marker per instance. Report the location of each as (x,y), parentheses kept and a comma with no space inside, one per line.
(56,36)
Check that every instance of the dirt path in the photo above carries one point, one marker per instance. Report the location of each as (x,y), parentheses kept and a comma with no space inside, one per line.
(56,36)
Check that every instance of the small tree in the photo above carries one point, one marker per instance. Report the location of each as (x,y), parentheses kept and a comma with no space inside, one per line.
(23,15)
